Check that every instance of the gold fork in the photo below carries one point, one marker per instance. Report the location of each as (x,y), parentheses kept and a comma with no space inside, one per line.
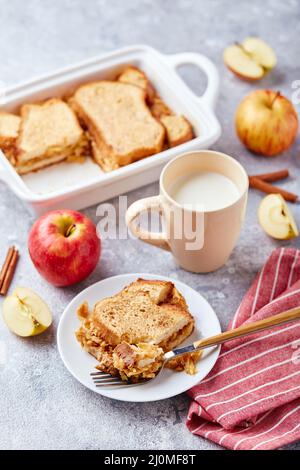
(102,379)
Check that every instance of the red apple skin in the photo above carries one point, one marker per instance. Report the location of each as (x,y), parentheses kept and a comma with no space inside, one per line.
(265,123)
(61,257)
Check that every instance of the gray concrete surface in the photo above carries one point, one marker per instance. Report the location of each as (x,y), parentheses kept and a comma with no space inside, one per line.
(42,406)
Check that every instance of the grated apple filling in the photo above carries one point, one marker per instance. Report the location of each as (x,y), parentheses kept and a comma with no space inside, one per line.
(137,362)
(75,152)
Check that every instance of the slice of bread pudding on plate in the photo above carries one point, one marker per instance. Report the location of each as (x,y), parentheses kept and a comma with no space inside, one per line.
(129,332)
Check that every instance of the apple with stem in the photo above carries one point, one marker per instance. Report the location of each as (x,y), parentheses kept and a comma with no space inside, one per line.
(266,122)
(64,247)
(251,59)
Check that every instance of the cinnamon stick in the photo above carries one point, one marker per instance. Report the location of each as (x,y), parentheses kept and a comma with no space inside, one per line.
(274,176)
(6,264)
(8,270)
(268,188)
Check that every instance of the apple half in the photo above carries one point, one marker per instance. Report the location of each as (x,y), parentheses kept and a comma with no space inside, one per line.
(251,59)
(276,219)
(25,313)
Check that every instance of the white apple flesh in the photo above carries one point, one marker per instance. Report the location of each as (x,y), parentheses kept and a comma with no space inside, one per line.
(276,219)
(260,52)
(25,313)
(251,59)
(241,64)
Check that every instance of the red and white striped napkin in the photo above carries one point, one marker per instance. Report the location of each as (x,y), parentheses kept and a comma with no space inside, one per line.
(251,398)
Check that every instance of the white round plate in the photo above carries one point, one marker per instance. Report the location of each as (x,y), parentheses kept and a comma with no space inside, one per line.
(169,383)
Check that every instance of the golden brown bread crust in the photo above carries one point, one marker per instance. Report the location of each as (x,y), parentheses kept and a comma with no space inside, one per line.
(135,76)
(146,311)
(119,121)
(142,312)
(157,290)
(30,144)
(178,129)
(159,108)
(107,163)
(49,132)
(9,130)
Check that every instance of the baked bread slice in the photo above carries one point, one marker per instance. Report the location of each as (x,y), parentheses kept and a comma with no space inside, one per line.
(146,311)
(118,121)
(159,108)
(178,129)
(135,76)
(105,161)
(49,133)
(9,130)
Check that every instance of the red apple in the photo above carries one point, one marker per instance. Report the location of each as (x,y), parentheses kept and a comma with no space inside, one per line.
(64,247)
(266,122)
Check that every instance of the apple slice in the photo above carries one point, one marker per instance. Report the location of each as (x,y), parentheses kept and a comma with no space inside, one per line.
(241,63)
(251,59)
(25,313)
(260,52)
(276,219)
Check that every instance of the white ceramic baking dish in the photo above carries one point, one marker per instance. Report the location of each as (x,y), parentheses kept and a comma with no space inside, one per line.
(75,185)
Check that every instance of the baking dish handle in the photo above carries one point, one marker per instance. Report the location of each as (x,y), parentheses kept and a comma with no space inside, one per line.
(209,97)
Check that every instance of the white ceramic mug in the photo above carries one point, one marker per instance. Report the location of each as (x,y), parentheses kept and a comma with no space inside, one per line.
(219,229)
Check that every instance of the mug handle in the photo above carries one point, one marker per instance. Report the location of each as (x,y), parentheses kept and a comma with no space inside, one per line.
(158,239)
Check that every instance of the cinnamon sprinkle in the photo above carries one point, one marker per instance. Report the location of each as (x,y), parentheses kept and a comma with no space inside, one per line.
(8,269)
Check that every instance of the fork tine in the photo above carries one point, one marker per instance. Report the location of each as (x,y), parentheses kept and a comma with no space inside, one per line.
(107,379)
(99,374)
(114,384)
(102,379)
(111,380)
